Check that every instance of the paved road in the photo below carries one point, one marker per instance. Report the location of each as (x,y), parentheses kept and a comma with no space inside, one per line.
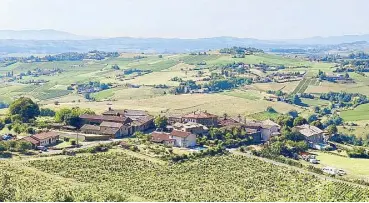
(323,177)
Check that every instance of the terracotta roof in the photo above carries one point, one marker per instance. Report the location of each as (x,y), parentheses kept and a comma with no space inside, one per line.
(31,140)
(90,127)
(200,114)
(160,137)
(182,134)
(111,124)
(45,135)
(227,121)
(104,118)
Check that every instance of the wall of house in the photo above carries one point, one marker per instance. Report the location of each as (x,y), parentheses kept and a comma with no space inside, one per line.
(267,133)
(189,141)
(318,138)
(49,141)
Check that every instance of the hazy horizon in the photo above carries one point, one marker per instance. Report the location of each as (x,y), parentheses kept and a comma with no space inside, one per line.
(282,19)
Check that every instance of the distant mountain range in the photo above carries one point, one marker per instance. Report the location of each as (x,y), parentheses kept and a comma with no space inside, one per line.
(39,35)
(53,41)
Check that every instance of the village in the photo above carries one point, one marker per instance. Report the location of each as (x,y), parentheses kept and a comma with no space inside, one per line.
(187,133)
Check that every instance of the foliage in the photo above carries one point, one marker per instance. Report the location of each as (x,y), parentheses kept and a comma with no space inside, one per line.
(161,121)
(25,108)
(47,112)
(71,116)
(299,121)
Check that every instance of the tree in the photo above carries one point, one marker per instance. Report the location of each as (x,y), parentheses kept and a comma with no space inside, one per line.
(317,124)
(285,120)
(332,129)
(24,107)
(161,121)
(312,118)
(296,100)
(293,113)
(299,121)
(47,112)
(23,146)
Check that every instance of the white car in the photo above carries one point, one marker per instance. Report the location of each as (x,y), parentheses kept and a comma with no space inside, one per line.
(330,170)
(341,172)
(313,161)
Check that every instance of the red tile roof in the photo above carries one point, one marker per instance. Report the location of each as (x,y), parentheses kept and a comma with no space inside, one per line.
(160,137)
(45,135)
(200,114)
(31,140)
(178,133)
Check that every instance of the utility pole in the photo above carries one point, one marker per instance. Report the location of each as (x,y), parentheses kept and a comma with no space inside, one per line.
(77,139)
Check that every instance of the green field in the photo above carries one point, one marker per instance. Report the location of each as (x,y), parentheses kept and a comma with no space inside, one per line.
(120,177)
(355,168)
(357,114)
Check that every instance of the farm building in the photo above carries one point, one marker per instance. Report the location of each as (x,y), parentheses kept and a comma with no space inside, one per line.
(313,135)
(141,120)
(42,139)
(201,117)
(175,138)
(191,127)
(117,123)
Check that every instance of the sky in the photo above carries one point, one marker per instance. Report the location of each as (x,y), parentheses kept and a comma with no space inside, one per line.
(261,19)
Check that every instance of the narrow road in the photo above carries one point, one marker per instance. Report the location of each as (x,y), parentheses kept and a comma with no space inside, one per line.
(323,177)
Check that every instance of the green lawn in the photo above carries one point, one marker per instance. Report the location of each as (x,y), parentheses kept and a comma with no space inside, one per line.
(357,114)
(356,168)
(315,102)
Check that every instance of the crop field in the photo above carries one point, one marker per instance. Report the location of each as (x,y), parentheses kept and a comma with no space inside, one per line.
(155,103)
(116,176)
(304,84)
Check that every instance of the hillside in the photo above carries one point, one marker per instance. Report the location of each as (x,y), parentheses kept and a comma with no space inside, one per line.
(120,177)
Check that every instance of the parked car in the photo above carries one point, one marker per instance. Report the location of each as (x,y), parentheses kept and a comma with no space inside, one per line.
(330,170)
(313,161)
(7,137)
(42,148)
(341,172)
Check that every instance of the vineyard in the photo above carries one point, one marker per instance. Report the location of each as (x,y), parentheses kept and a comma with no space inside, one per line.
(304,84)
(118,177)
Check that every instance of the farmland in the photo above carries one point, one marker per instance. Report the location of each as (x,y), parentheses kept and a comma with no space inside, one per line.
(357,114)
(116,176)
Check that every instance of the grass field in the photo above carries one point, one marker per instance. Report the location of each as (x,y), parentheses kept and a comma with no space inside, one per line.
(315,102)
(357,114)
(355,168)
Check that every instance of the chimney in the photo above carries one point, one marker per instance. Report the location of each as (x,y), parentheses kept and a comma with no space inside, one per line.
(109,109)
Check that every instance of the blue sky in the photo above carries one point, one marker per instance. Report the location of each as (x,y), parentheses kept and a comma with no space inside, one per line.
(262,19)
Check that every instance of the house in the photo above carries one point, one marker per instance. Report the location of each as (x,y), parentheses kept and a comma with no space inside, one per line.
(163,138)
(97,119)
(175,138)
(140,120)
(194,128)
(42,139)
(111,129)
(202,117)
(183,139)
(313,135)
(267,128)
(223,122)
